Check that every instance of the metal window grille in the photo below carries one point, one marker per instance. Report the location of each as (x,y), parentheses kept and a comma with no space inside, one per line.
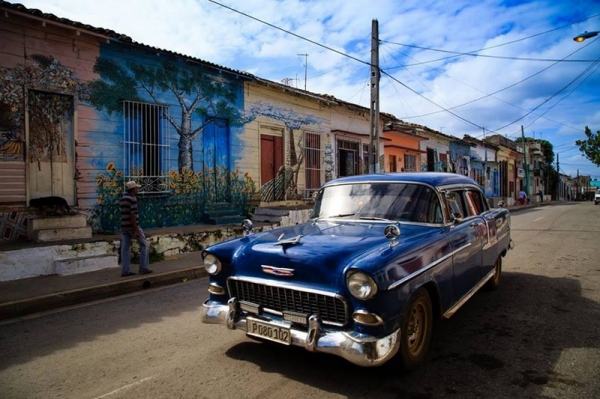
(312,149)
(348,158)
(146,145)
(410,163)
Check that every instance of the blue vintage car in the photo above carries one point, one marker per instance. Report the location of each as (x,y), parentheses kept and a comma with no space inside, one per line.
(382,255)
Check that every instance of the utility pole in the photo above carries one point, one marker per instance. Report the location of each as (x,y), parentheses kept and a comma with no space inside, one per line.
(305,68)
(374,115)
(559,183)
(525,165)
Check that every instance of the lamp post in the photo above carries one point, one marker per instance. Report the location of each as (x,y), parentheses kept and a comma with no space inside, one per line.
(585,35)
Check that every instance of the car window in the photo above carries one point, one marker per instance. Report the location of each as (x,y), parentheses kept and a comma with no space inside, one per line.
(390,201)
(475,203)
(455,203)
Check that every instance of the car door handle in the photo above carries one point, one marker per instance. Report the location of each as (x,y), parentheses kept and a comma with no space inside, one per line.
(475,224)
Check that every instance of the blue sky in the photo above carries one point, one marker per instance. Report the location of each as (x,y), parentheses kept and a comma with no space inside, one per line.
(523,67)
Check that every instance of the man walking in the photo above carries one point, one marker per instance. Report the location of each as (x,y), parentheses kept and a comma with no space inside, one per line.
(130,229)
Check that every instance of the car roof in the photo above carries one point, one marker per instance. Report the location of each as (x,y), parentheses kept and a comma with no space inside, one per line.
(435,179)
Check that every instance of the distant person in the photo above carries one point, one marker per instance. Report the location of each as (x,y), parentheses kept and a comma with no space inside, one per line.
(130,229)
(522,197)
(541,193)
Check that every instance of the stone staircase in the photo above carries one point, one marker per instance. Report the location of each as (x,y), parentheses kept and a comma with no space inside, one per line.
(281,215)
(58,228)
(71,227)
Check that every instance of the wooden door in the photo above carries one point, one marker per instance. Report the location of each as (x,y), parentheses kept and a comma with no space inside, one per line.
(51,146)
(271,157)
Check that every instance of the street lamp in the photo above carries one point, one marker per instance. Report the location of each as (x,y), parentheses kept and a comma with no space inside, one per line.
(585,35)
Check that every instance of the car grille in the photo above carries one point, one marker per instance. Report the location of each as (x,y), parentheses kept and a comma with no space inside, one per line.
(331,309)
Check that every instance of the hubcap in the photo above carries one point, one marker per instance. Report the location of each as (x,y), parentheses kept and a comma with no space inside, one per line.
(416,329)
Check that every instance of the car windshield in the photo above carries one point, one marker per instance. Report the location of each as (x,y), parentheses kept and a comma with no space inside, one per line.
(379,201)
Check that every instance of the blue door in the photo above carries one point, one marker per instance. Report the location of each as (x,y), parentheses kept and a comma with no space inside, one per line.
(216,161)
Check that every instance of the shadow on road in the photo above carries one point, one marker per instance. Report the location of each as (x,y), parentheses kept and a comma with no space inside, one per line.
(500,344)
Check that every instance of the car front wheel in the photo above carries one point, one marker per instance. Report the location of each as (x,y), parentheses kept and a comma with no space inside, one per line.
(416,331)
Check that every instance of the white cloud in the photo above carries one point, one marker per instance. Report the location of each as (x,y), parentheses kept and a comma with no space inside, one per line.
(206,30)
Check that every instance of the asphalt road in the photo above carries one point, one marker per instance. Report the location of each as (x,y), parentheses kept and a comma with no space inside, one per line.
(537,336)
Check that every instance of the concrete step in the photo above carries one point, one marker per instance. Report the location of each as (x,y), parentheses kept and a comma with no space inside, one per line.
(85,264)
(58,234)
(266,218)
(62,222)
(226,220)
(271,212)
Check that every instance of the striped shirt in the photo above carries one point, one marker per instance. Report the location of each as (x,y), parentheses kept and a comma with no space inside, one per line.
(129,206)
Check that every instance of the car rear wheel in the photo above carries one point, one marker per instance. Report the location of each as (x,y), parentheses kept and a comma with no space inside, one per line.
(494,282)
(416,331)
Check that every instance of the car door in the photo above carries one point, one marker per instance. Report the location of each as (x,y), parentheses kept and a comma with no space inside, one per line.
(478,204)
(466,240)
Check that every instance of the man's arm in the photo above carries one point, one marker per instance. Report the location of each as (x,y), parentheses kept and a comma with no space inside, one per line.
(134,224)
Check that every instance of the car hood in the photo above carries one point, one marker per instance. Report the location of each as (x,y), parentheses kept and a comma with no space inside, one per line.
(314,253)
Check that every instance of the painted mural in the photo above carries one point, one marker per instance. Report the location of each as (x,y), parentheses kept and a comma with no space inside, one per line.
(46,111)
(197,93)
(185,205)
(285,184)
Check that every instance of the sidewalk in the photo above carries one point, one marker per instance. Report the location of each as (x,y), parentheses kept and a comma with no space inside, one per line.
(38,294)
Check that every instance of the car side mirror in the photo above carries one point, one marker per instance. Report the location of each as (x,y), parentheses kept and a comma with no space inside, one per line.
(455,218)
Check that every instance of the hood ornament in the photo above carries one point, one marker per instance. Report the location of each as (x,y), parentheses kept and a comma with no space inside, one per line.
(288,241)
(277,271)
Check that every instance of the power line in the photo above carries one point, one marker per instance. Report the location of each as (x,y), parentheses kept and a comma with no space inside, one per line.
(291,33)
(473,54)
(548,99)
(507,43)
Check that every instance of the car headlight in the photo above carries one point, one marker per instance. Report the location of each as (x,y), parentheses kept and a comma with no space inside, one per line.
(212,264)
(361,285)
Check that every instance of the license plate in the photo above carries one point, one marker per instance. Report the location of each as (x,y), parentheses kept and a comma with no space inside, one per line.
(268,331)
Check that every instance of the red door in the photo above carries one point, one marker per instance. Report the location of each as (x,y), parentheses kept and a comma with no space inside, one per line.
(271,157)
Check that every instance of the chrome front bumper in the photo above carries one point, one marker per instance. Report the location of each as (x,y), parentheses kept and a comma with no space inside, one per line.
(360,349)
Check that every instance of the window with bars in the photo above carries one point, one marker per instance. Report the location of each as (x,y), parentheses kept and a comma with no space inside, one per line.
(348,158)
(410,163)
(145,145)
(312,150)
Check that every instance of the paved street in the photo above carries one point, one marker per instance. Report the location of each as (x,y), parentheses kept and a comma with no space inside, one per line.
(537,336)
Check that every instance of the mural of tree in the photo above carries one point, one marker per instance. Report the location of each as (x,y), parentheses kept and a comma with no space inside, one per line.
(286,180)
(44,73)
(195,91)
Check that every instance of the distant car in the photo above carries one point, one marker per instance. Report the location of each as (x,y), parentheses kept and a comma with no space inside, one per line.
(364,277)
(597,197)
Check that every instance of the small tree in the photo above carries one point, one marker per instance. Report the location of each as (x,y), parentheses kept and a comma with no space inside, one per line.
(590,147)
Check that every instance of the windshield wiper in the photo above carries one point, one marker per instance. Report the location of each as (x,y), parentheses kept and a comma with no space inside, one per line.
(341,215)
(371,218)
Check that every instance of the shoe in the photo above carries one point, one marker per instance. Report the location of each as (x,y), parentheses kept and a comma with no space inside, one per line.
(147,271)
(128,274)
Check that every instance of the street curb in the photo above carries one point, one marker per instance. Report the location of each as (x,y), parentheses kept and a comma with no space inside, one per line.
(28,306)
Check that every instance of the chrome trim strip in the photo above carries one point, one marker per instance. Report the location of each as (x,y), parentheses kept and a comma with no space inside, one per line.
(360,349)
(450,312)
(503,236)
(426,268)
(362,311)
(216,289)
